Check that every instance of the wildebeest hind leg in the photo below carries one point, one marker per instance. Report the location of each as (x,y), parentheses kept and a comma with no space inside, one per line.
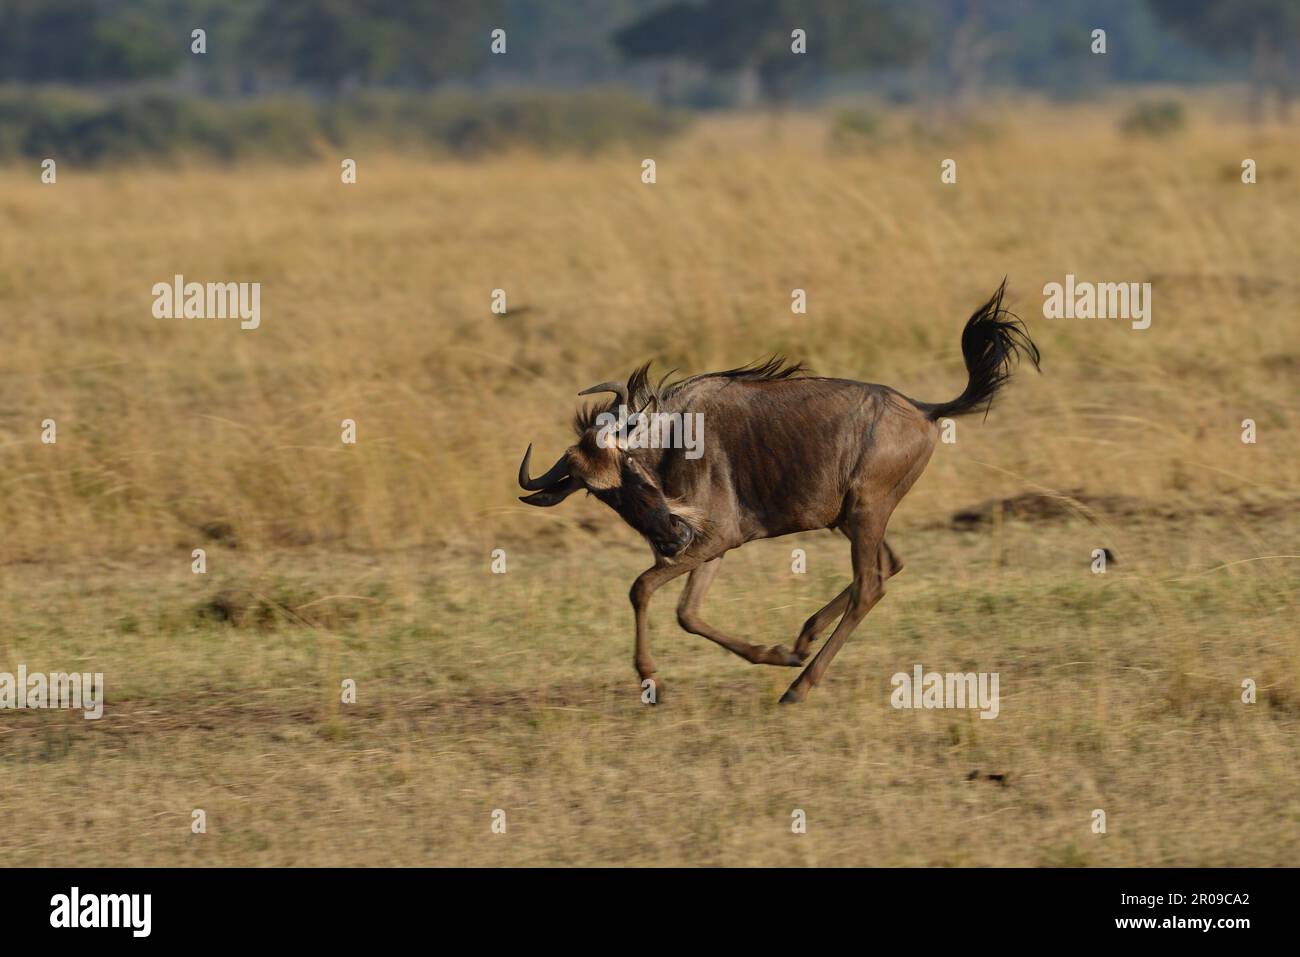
(868,588)
(890,565)
(814,626)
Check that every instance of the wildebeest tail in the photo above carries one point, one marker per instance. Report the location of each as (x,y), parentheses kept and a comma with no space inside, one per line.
(993,337)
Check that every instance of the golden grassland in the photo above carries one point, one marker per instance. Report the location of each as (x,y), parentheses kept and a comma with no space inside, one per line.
(478,691)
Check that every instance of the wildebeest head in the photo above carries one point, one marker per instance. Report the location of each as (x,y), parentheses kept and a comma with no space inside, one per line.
(624,479)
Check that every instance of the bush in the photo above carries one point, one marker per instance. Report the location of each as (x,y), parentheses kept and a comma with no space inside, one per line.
(1158,118)
(89,131)
(158,127)
(856,127)
(469,125)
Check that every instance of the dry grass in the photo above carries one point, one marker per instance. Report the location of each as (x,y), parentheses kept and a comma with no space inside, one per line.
(479,691)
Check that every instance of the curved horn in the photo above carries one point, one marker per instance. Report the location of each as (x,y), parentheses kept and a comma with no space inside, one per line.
(554,495)
(556,472)
(618,388)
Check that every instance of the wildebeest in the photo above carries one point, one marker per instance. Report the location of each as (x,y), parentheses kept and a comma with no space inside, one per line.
(782,452)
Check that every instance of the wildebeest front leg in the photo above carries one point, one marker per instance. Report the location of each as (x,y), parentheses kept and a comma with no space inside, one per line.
(642,589)
(688,617)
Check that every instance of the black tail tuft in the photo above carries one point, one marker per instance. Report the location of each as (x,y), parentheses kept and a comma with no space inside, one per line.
(992,338)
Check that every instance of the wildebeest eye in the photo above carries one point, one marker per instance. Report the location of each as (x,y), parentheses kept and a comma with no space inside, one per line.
(633,475)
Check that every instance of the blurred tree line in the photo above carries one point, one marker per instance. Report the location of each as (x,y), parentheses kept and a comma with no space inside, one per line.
(691,52)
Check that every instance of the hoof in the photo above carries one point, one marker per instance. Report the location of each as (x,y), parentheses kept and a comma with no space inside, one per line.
(780,655)
(793,696)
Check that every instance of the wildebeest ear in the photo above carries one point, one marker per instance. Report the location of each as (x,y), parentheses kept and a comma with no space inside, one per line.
(554,495)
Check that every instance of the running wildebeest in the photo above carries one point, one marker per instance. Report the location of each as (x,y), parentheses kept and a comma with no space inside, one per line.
(784,452)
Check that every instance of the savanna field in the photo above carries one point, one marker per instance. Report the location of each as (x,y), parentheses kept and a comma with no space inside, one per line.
(477,691)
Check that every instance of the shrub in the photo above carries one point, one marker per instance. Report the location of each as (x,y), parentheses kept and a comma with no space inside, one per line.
(856,127)
(1154,118)
(164,127)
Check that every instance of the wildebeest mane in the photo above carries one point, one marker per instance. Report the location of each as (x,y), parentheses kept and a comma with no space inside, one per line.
(644,396)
